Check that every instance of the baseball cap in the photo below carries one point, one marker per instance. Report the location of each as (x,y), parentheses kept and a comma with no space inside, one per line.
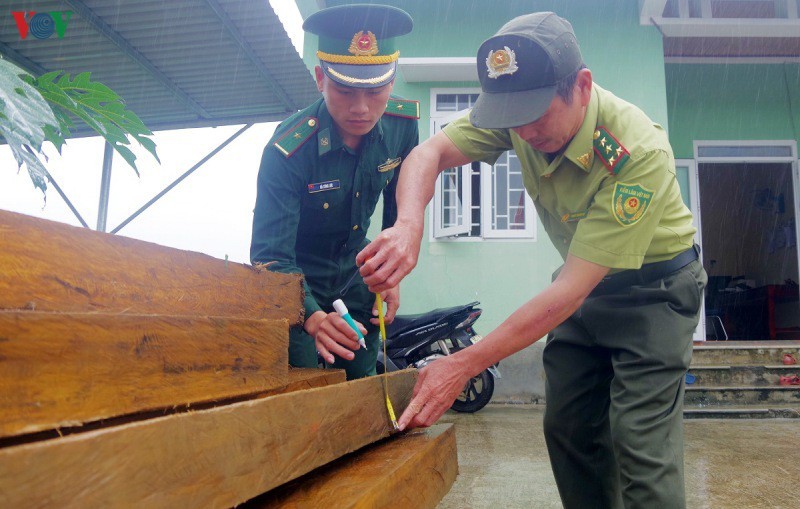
(519,68)
(357,42)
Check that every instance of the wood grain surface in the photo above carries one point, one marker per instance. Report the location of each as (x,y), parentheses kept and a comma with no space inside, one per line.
(413,470)
(219,457)
(50,266)
(65,369)
(311,378)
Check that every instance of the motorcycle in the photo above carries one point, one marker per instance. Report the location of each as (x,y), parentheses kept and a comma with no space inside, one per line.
(418,340)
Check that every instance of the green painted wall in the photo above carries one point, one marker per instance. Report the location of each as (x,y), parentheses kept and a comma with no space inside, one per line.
(624,57)
(732,102)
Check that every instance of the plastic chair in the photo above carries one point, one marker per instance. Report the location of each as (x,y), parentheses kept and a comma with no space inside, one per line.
(716,326)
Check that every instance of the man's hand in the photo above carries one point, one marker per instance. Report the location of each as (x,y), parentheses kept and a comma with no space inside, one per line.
(390,257)
(333,336)
(392,299)
(438,385)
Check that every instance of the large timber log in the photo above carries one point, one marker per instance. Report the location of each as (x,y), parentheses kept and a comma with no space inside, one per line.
(66,369)
(218,457)
(50,266)
(310,378)
(415,470)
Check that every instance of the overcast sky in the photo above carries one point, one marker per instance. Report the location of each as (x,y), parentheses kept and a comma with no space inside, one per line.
(210,212)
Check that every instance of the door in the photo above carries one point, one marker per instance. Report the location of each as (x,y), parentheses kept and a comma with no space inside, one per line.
(745,207)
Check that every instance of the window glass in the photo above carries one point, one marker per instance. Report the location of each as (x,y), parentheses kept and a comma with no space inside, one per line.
(455,102)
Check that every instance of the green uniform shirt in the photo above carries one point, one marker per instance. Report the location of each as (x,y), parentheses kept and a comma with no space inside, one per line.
(316,197)
(611,197)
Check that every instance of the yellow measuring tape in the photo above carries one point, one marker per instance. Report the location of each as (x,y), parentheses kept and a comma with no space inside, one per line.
(379,305)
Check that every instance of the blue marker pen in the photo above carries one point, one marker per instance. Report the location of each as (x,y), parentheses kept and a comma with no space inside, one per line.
(340,308)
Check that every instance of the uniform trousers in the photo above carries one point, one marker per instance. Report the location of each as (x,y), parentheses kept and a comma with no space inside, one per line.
(615,382)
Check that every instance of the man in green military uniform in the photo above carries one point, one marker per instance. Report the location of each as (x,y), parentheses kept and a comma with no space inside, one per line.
(620,312)
(322,174)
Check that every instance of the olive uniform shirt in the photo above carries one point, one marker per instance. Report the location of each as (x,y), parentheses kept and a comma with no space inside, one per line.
(611,196)
(316,197)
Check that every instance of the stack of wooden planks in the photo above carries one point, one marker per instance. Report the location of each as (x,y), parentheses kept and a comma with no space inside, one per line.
(133,374)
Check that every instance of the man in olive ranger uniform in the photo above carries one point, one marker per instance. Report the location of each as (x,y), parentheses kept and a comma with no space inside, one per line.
(321,176)
(620,312)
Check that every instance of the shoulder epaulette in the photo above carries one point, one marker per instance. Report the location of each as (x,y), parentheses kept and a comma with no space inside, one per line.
(294,138)
(610,150)
(405,108)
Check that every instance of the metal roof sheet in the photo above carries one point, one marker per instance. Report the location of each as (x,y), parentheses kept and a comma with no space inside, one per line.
(177,63)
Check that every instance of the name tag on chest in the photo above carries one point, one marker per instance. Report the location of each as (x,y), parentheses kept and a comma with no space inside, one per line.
(323,186)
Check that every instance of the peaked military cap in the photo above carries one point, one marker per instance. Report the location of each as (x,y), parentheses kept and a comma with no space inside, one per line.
(357,42)
(519,68)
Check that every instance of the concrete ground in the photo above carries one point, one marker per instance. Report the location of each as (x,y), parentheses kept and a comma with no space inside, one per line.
(730,463)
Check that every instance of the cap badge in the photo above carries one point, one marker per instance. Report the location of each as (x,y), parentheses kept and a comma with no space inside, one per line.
(364,45)
(500,62)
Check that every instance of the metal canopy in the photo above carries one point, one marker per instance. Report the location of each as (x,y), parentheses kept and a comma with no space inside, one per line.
(176,63)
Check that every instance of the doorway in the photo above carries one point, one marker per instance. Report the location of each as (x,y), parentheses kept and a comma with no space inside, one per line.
(747,209)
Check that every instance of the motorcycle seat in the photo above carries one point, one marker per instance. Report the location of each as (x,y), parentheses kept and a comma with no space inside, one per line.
(404,323)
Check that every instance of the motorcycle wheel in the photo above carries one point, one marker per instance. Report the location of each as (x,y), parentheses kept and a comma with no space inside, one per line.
(476,394)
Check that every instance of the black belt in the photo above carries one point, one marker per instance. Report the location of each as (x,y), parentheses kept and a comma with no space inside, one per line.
(647,274)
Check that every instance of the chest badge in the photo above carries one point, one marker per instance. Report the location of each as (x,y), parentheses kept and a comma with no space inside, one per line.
(323,186)
(390,164)
(629,202)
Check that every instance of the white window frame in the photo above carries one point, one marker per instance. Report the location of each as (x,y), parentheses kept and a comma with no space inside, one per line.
(691,169)
(437,231)
(488,232)
(439,119)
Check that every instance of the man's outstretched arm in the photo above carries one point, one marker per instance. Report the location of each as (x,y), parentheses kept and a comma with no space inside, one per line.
(394,252)
(442,381)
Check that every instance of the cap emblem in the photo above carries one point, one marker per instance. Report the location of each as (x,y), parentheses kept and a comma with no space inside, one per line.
(364,45)
(500,62)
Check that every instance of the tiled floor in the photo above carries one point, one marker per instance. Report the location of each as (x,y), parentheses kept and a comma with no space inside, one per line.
(737,464)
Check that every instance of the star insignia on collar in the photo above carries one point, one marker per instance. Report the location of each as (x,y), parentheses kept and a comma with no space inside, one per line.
(585,159)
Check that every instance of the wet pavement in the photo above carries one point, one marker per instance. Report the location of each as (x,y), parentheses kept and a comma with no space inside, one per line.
(730,463)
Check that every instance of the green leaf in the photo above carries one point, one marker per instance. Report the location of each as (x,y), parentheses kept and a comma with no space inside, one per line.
(149,145)
(100,108)
(129,156)
(25,117)
(35,110)
(36,169)
(53,135)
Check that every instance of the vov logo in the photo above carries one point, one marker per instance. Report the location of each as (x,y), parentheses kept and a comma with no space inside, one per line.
(42,24)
